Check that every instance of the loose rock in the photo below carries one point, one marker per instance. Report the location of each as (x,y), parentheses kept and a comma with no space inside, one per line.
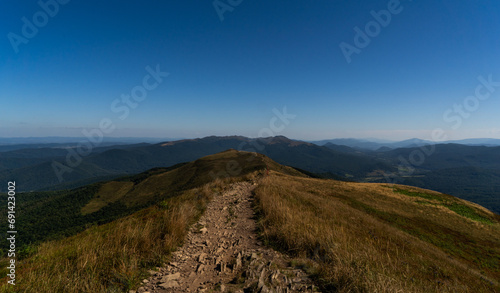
(227,257)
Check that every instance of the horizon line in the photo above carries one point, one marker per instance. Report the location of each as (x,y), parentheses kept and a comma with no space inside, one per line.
(370,139)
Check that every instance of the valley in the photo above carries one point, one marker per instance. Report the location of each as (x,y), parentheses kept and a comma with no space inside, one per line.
(471,172)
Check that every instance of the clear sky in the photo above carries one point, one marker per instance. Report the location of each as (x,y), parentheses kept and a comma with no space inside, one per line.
(415,67)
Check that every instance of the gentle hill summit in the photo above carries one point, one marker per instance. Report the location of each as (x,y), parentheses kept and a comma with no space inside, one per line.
(347,236)
(161,183)
(50,214)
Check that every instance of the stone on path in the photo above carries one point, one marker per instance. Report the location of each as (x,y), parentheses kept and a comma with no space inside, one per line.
(227,257)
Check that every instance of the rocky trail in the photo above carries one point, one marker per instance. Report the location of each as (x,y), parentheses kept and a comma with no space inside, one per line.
(222,254)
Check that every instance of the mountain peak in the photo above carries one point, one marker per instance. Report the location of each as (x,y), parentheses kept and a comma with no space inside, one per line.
(280,139)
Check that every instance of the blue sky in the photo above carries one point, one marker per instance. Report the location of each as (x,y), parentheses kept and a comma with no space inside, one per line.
(227,75)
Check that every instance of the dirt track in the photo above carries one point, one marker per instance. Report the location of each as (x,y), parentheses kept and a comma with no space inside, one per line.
(222,254)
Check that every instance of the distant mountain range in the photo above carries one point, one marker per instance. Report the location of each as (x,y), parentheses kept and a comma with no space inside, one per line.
(21,143)
(368,144)
(467,171)
(34,168)
(33,142)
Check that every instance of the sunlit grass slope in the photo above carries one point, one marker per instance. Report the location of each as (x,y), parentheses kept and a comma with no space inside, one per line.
(351,237)
(363,237)
(115,257)
(226,164)
(47,216)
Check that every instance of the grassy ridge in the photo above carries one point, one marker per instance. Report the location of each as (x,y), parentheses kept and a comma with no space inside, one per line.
(351,237)
(113,257)
(44,216)
(368,238)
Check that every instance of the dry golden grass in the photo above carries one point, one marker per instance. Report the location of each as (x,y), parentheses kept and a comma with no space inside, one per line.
(368,238)
(113,257)
(351,237)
